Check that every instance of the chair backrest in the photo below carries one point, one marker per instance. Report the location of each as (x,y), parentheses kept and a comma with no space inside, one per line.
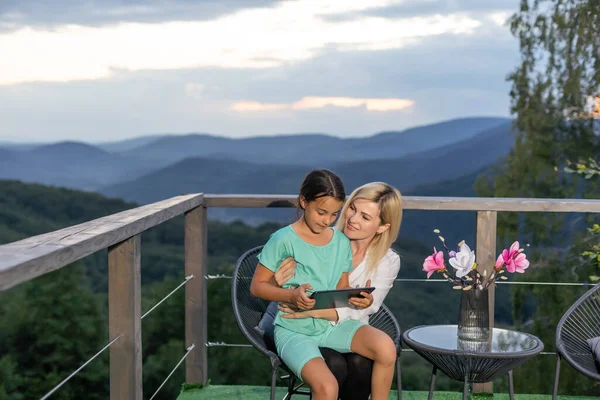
(385,321)
(580,323)
(247,309)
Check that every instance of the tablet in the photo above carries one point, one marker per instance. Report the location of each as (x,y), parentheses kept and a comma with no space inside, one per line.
(336,298)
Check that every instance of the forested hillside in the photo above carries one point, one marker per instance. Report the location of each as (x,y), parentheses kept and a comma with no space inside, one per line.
(55,322)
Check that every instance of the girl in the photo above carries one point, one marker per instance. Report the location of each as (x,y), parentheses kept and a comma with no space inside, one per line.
(371,220)
(323,259)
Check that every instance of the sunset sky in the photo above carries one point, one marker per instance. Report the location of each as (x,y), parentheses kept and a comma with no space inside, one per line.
(105,70)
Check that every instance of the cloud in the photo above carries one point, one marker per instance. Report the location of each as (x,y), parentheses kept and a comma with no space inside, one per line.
(428,7)
(48,15)
(194,90)
(289,32)
(447,76)
(307,103)
(500,18)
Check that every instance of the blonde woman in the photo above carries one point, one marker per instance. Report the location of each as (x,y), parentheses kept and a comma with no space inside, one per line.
(371,219)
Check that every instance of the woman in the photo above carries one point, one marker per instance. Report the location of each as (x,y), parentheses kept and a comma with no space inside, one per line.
(371,220)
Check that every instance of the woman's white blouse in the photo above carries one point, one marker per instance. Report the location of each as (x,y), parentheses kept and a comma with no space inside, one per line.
(382,279)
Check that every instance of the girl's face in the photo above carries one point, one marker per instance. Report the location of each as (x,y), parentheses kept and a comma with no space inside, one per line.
(320,213)
(362,220)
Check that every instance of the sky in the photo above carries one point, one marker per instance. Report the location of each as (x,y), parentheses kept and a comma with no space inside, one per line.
(104,70)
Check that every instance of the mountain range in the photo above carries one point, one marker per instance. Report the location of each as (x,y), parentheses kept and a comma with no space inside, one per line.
(152,168)
(212,175)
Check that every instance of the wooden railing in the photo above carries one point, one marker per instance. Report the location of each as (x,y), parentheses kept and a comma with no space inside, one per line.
(121,234)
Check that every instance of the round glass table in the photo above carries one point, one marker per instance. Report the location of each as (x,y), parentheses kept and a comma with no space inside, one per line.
(472,361)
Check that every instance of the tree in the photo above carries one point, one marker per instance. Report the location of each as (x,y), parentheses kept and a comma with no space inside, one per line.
(51,326)
(553,98)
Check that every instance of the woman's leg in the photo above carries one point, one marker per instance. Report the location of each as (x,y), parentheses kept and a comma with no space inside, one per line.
(379,347)
(358,382)
(337,364)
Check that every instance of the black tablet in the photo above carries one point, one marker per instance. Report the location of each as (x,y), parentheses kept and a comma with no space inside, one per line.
(336,298)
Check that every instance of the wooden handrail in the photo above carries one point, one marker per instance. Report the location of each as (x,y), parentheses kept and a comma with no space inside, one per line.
(421,203)
(29,258)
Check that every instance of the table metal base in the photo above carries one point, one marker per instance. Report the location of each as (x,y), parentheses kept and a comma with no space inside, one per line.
(511,390)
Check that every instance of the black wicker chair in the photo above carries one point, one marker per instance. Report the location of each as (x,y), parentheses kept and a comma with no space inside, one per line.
(248,311)
(580,323)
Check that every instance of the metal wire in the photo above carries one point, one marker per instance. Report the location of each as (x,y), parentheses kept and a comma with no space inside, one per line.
(222,276)
(78,369)
(503,282)
(173,370)
(223,344)
(218,276)
(187,278)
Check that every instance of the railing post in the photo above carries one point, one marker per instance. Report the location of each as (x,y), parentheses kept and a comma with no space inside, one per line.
(196,307)
(124,318)
(486,258)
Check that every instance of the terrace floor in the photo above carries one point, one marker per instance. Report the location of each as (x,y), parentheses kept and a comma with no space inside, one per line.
(217,392)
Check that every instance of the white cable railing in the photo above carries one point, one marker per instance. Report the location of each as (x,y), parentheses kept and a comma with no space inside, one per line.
(55,388)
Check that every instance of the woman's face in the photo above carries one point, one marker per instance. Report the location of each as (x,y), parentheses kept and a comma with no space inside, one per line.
(362,220)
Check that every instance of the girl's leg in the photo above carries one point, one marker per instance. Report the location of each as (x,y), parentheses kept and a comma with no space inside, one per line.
(323,384)
(379,347)
(301,354)
(358,384)
(337,365)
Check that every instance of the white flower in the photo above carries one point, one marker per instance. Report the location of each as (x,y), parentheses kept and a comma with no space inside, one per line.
(463,261)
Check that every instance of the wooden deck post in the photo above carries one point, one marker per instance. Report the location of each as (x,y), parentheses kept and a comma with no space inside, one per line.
(124,318)
(196,307)
(486,258)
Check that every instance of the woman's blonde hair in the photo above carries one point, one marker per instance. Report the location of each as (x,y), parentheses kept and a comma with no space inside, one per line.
(389,200)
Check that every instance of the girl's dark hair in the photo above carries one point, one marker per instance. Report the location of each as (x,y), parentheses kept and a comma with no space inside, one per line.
(322,183)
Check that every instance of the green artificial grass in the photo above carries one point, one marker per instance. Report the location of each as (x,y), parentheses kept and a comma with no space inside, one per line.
(217,392)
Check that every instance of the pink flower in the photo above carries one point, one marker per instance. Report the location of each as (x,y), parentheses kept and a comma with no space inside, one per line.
(499,262)
(434,262)
(518,264)
(513,258)
(511,253)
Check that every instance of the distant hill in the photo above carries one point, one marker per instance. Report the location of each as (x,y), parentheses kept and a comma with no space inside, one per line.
(309,149)
(273,149)
(67,164)
(407,173)
(258,164)
(129,144)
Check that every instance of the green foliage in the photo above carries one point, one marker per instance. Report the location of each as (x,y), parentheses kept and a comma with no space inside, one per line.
(50,326)
(552,95)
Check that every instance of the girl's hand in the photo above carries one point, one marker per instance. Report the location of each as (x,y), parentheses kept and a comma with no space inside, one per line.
(300,299)
(365,302)
(285,271)
(289,313)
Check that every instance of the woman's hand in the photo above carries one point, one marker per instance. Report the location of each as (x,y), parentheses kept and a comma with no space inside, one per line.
(364,302)
(285,271)
(290,313)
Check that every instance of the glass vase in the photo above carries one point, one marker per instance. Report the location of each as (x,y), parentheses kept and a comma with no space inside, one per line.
(473,316)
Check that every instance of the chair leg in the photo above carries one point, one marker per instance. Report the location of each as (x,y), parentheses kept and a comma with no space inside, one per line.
(556,377)
(273,382)
(432,382)
(399,375)
(511,387)
(291,383)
